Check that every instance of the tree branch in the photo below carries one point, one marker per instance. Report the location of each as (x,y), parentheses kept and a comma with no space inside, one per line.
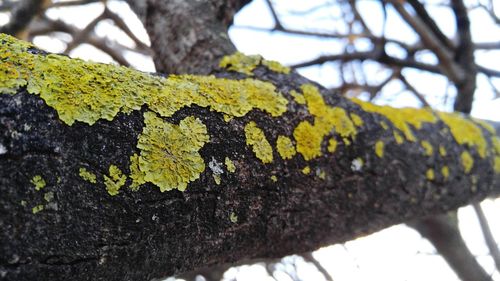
(209,184)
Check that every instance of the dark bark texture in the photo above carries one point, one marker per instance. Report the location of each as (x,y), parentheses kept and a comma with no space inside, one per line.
(260,210)
(188,36)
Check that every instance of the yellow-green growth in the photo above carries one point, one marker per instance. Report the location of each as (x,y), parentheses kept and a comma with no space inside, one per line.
(445,171)
(230,165)
(467,161)
(379,148)
(285,147)
(274,178)
(398,137)
(49,196)
(115,180)
(306,170)
(401,118)
(38,182)
(384,125)
(356,119)
(496,160)
(86,91)
(332,145)
(87,175)
(322,175)
(217,179)
(257,140)
(430,174)
(233,217)
(465,132)
(242,63)
(427,146)
(169,155)
(136,174)
(37,209)
(298,97)
(442,151)
(487,126)
(327,119)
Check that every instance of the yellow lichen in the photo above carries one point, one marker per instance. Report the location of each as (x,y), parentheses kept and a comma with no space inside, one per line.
(487,126)
(467,161)
(274,178)
(465,132)
(169,155)
(230,165)
(356,119)
(86,91)
(445,171)
(332,145)
(322,175)
(306,170)
(38,182)
(442,151)
(88,176)
(37,208)
(242,63)
(398,137)
(285,147)
(257,140)
(136,174)
(298,97)
(379,149)
(114,181)
(429,174)
(49,196)
(401,118)
(496,160)
(217,179)
(327,119)
(233,217)
(384,125)
(427,146)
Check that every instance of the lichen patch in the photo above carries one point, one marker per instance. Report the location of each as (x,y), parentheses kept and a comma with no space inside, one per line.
(256,138)
(169,155)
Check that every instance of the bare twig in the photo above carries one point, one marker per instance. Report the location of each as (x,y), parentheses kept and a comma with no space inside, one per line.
(21,15)
(309,258)
(488,236)
(447,65)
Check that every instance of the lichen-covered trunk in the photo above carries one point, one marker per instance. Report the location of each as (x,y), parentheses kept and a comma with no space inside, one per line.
(111,174)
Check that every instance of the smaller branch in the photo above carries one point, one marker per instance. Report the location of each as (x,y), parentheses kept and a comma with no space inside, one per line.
(488,71)
(371,55)
(120,23)
(277,22)
(22,14)
(448,66)
(427,20)
(412,89)
(83,34)
(487,46)
(309,258)
(488,236)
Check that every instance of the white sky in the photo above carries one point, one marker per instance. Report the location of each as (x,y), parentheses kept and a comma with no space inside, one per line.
(397,253)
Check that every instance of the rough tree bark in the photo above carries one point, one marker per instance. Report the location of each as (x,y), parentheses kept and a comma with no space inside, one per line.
(267,170)
(188,36)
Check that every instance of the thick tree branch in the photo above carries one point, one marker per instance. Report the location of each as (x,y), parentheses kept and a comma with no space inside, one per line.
(75,204)
(198,43)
